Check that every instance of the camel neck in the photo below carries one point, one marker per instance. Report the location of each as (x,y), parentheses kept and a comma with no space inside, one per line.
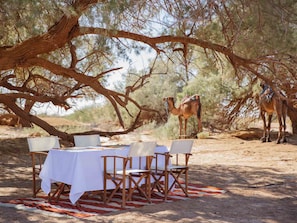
(174,111)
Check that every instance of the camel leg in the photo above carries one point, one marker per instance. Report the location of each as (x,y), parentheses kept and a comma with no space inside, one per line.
(268,128)
(180,126)
(186,122)
(200,129)
(284,121)
(281,116)
(282,129)
(263,139)
(199,125)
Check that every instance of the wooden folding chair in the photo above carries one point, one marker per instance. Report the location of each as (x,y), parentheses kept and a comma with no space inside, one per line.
(38,148)
(133,168)
(86,140)
(175,166)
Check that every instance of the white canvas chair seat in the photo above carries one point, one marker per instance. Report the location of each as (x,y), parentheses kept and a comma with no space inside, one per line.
(128,177)
(129,171)
(176,166)
(171,167)
(86,140)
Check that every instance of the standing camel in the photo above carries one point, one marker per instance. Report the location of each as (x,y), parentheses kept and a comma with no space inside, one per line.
(189,106)
(270,102)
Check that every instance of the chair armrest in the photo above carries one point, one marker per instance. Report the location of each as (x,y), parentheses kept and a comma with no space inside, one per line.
(163,154)
(116,166)
(163,166)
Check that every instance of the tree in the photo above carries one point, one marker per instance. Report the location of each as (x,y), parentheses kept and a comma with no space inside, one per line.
(73,47)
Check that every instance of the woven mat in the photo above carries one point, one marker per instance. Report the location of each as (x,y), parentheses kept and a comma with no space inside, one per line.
(91,204)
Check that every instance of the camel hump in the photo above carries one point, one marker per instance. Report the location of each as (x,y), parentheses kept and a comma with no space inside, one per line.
(188,99)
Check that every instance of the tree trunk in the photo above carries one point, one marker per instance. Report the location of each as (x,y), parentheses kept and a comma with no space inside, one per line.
(33,119)
(23,115)
(294,123)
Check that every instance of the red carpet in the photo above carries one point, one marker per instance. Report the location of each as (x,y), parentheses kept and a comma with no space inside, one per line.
(92,205)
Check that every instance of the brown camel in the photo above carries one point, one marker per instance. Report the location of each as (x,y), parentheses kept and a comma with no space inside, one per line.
(189,106)
(9,119)
(270,102)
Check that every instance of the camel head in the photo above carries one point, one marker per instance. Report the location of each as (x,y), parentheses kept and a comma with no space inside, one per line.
(262,84)
(169,104)
(169,101)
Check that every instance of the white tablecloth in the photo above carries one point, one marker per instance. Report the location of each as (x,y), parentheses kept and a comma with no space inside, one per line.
(82,168)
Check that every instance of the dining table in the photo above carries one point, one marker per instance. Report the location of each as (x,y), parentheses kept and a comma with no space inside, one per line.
(82,168)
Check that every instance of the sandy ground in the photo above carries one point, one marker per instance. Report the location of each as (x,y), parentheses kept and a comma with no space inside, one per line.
(260,179)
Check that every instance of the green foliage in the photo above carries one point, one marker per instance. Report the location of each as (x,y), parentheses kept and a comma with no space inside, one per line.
(169,130)
(262,27)
(23,19)
(94,114)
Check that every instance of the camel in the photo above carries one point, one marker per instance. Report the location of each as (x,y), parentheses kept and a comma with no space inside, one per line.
(189,106)
(9,119)
(270,102)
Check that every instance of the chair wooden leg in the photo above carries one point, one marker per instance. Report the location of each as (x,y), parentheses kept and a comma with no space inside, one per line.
(118,185)
(34,186)
(33,175)
(60,191)
(33,191)
(146,192)
(124,192)
(57,193)
(166,190)
(186,183)
(176,181)
(157,184)
(104,189)
(148,187)
(107,199)
(161,187)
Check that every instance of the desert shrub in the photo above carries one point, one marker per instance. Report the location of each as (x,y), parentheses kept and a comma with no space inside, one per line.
(93,114)
(203,135)
(169,130)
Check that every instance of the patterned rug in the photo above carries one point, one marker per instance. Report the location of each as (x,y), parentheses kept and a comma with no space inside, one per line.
(91,204)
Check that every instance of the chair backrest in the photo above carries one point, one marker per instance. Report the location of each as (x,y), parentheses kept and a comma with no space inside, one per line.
(140,149)
(181,146)
(86,140)
(38,144)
